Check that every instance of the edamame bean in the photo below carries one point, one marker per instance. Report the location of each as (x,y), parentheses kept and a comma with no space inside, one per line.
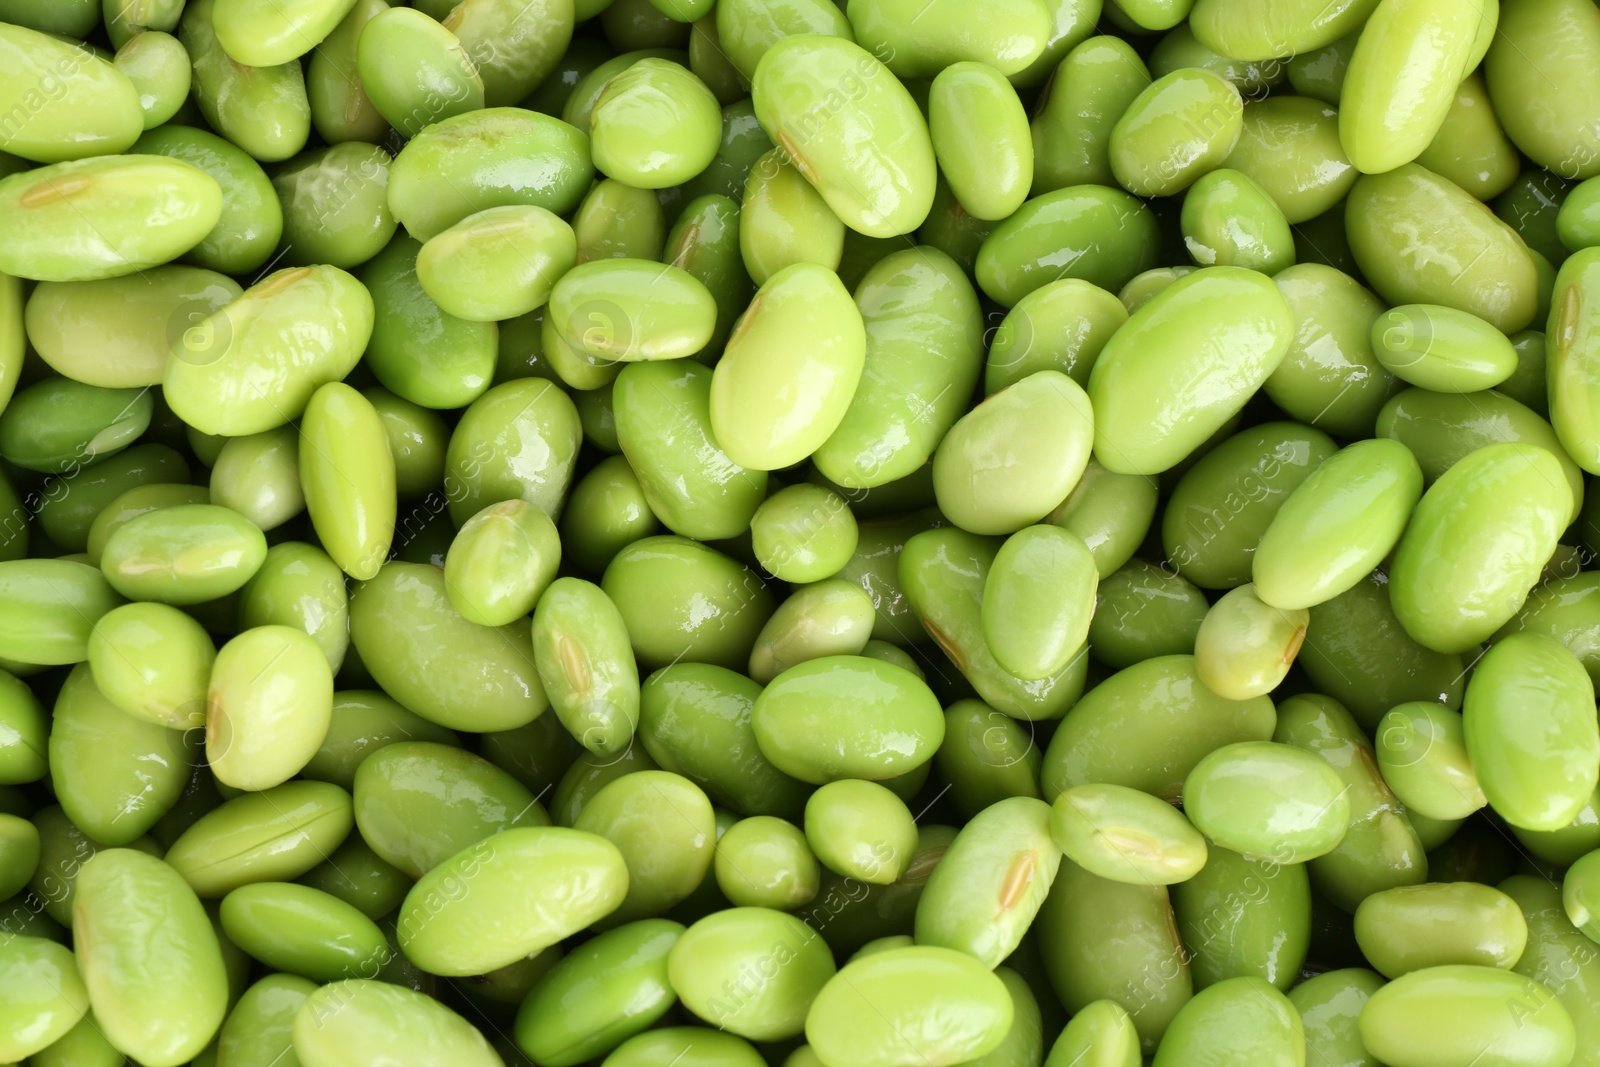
(1239,1017)
(1244,918)
(104,217)
(251,224)
(1442,349)
(303,931)
(1221,331)
(72,103)
(149,957)
(890,725)
(666,858)
(980,137)
(483,159)
(1422,752)
(254,364)
(1531,754)
(1491,274)
(1037,601)
(979,477)
(45,996)
(793,961)
(923,352)
(1471,1011)
(276,834)
(185,554)
(1497,489)
(600,994)
(1267,800)
(585,662)
(1147,727)
(870,156)
(299,586)
(766,862)
(1337,525)
(263,110)
(335,208)
(1115,941)
(115,775)
(576,877)
(1413,927)
(423,353)
(418,803)
(267,707)
(517,441)
(860,830)
(1111,237)
(363,1017)
(1125,835)
(258,476)
(866,1013)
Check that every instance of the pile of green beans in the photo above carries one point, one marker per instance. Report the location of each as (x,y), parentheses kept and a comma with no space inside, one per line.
(809,533)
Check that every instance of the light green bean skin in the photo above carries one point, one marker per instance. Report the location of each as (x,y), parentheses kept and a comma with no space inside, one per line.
(439,80)
(1267,800)
(1413,927)
(519,440)
(303,930)
(263,110)
(1422,753)
(806,732)
(73,221)
(1534,41)
(528,888)
(260,1028)
(273,835)
(1573,355)
(986,891)
(71,103)
(585,661)
(51,607)
(258,476)
(44,995)
(448,670)
(1559,957)
(135,919)
(1494,278)
(348,476)
(1125,835)
(1381,125)
(1037,601)
(299,586)
(1146,727)
(784,220)
(1337,525)
(981,139)
(1380,849)
(923,352)
(360,1018)
(1221,331)
(1442,349)
(832,617)
(500,562)
(1580,894)
(166,689)
(1470,1010)
(871,158)
(665,859)
(1470,148)
(1104,236)
(114,775)
(186,554)
(341,110)
(267,706)
(1237,1018)
(1452,590)
(979,477)
(957,1009)
(1148,971)
(716,949)
(653,582)
(254,364)
(24,733)
(600,994)
(483,159)
(1242,917)
(1245,646)
(1529,735)
(775,398)
(513,46)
